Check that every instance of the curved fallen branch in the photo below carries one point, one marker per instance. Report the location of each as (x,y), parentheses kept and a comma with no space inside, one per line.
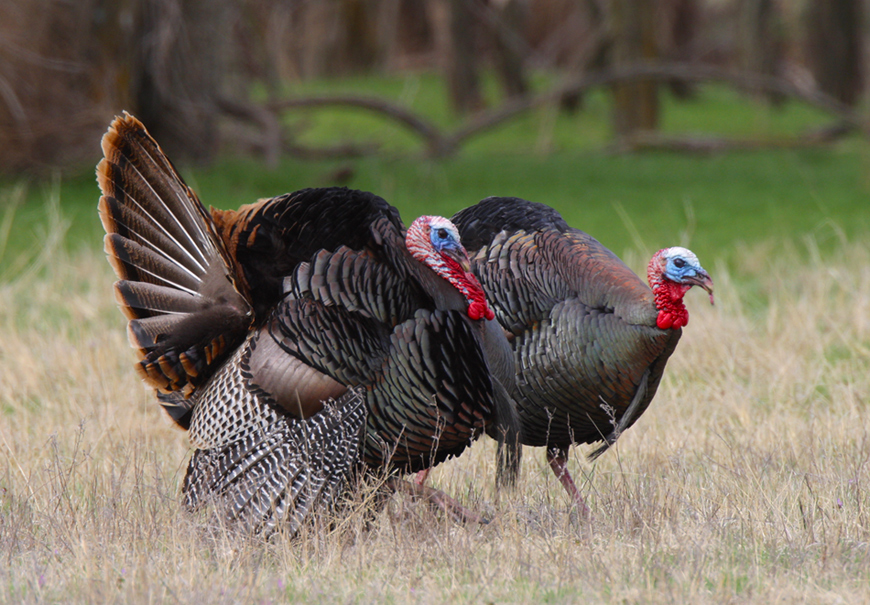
(417,124)
(656,71)
(439,144)
(696,145)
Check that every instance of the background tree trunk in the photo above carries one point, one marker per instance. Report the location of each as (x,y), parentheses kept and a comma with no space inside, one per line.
(509,18)
(633,36)
(361,40)
(761,39)
(593,55)
(462,67)
(62,73)
(835,47)
(682,26)
(178,73)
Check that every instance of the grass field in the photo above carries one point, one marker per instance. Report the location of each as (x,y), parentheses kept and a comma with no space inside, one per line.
(746,481)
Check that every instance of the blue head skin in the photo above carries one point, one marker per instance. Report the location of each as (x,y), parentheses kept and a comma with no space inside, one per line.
(445,240)
(443,234)
(672,272)
(683,267)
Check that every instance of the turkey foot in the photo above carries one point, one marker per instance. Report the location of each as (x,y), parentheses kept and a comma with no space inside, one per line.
(436,498)
(421,476)
(558,460)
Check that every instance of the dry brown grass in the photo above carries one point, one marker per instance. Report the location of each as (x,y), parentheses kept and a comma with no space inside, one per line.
(747,480)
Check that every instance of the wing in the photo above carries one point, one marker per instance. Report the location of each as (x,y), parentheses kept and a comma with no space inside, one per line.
(528,260)
(352,318)
(259,464)
(526,274)
(520,279)
(579,371)
(177,285)
(271,238)
(431,400)
(339,311)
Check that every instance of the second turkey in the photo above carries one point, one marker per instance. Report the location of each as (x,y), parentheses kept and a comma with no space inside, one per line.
(590,339)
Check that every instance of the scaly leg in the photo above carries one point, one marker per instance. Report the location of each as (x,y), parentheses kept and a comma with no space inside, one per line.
(558,459)
(436,498)
(421,476)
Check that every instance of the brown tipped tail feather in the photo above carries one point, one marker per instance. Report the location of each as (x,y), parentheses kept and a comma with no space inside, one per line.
(177,286)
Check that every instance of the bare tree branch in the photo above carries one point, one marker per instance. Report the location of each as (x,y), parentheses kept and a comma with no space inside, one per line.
(417,124)
(656,71)
(262,117)
(330,153)
(439,144)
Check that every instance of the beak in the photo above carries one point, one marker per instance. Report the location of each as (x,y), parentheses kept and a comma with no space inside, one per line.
(460,256)
(702,280)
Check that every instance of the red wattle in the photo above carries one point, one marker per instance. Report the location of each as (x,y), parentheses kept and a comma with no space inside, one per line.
(668,295)
(478,310)
(471,289)
(664,320)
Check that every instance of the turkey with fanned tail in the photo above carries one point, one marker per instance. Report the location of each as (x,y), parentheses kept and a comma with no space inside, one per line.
(590,339)
(299,337)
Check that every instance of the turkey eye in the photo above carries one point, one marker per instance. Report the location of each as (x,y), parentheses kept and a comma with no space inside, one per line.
(679,263)
(442,233)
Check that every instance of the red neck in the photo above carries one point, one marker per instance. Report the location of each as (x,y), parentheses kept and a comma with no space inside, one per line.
(668,296)
(471,289)
(417,241)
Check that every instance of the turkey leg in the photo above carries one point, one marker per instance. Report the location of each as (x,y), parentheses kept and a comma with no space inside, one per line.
(558,459)
(436,498)
(421,476)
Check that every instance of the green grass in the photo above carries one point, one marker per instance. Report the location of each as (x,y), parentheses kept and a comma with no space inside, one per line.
(711,204)
(640,201)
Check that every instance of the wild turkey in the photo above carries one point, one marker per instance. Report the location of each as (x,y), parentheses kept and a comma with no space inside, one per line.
(247,322)
(590,339)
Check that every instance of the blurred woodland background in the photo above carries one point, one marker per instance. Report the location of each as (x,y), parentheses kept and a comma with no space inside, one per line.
(208,76)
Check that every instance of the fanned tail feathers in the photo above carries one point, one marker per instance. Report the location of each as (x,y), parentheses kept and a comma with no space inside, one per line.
(178,286)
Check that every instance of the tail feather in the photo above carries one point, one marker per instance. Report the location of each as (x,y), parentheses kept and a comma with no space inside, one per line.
(144,299)
(283,472)
(135,170)
(135,262)
(160,218)
(188,308)
(128,222)
(146,332)
(179,408)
